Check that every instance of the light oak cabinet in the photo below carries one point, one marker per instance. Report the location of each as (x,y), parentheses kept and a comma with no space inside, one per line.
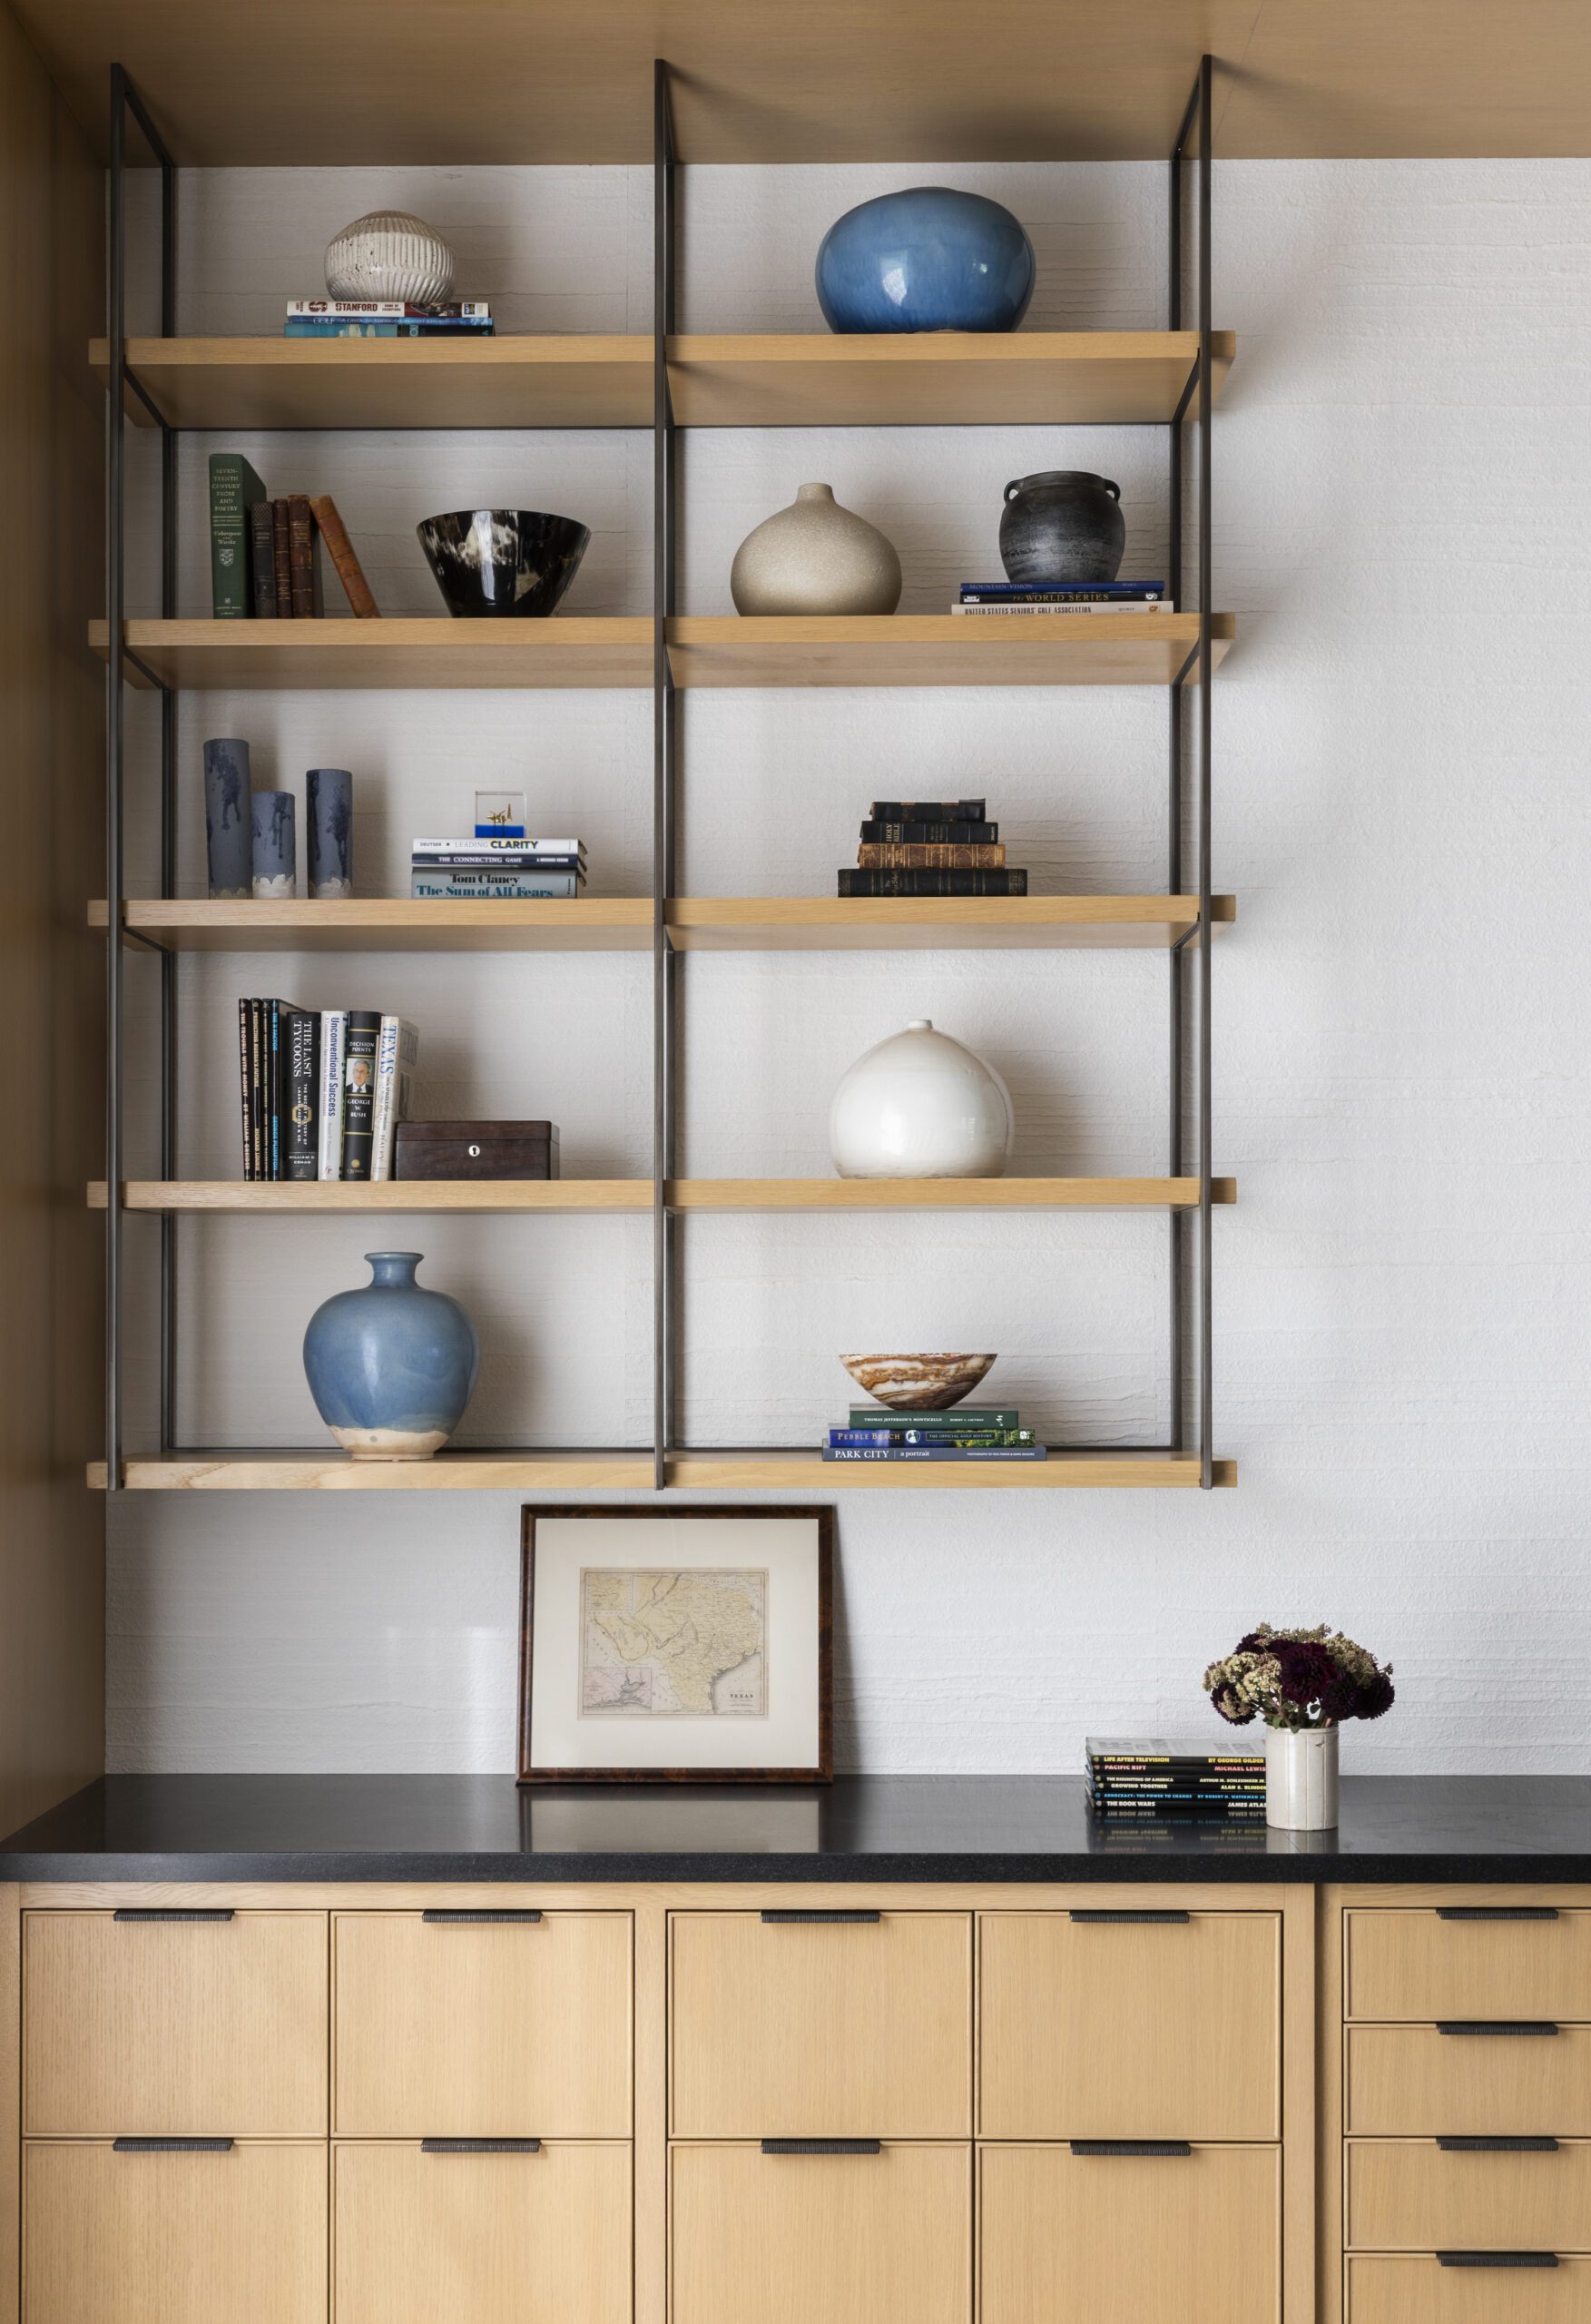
(1419,2195)
(235,2236)
(787,2023)
(1076,2238)
(1419,2082)
(196,2024)
(860,2238)
(1418,2290)
(517,2237)
(1467,1961)
(460,2023)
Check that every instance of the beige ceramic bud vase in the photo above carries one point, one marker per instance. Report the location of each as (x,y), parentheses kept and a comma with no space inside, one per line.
(815,558)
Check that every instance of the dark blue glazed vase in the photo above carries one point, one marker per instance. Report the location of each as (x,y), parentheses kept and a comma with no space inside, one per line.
(929,259)
(391,1366)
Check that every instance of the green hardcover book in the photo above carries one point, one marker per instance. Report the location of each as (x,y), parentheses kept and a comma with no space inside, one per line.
(233,489)
(966,1420)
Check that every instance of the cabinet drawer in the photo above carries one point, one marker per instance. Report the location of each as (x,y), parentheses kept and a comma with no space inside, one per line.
(173,2027)
(1415,1965)
(1129,2029)
(1410,2081)
(469,2028)
(821,2238)
(234,2237)
(822,2028)
(1073,2239)
(1412,2195)
(500,2238)
(1417,2290)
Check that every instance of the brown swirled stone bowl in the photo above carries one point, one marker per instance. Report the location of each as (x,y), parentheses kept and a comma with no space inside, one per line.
(917,1384)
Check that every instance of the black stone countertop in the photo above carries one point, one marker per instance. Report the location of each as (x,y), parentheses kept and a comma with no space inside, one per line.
(861,1828)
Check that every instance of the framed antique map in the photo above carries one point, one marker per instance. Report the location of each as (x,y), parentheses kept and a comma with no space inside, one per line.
(676,1645)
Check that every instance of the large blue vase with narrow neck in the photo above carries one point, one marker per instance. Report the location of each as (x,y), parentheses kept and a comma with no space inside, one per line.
(928,258)
(391,1365)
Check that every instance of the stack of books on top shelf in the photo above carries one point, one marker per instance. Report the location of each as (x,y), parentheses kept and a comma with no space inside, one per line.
(387,319)
(983,1432)
(930,847)
(1061,598)
(511,867)
(1132,1780)
(323,1090)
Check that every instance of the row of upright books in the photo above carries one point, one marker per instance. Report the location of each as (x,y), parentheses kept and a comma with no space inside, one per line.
(981,1433)
(1061,598)
(930,847)
(387,319)
(1137,1779)
(323,1090)
(264,554)
(486,866)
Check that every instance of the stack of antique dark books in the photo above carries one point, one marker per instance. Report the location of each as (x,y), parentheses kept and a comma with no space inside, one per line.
(1135,1779)
(930,847)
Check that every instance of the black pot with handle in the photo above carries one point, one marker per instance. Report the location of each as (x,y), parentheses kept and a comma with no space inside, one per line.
(1062,527)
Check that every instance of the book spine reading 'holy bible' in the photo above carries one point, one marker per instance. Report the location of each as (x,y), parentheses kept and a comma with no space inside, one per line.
(359,1082)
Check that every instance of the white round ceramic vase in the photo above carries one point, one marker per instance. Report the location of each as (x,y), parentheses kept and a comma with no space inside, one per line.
(815,558)
(920,1106)
(389,254)
(1300,1779)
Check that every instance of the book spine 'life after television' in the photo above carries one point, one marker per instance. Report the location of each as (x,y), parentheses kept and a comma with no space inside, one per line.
(262,559)
(359,1084)
(233,489)
(340,550)
(333,1052)
(303,1155)
(397,1052)
(933,883)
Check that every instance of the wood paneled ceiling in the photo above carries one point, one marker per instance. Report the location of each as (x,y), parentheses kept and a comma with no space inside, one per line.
(289,82)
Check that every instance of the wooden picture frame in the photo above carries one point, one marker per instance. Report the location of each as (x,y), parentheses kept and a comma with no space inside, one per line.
(815,1628)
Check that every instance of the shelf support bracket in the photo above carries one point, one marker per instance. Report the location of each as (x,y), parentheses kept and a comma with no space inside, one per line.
(666,962)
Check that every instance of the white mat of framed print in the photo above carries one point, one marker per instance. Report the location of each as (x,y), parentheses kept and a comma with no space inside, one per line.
(662,1645)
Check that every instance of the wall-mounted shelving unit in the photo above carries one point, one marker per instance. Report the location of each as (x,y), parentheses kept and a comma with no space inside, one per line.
(667,381)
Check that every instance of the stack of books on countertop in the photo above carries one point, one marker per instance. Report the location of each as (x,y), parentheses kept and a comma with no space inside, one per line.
(514,866)
(1134,1779)
(1062,597)
(264,554)
(323,1090)
(982,1432)
(930,847)
(387,319)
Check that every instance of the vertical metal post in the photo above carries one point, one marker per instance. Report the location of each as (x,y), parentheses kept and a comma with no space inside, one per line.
(116,334)
(1174,841)
(1206,670)
(663,769)
(168,968)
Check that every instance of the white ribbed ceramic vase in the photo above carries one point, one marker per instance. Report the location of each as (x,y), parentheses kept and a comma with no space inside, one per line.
(920,1106)
(1300,1779)
(389,254)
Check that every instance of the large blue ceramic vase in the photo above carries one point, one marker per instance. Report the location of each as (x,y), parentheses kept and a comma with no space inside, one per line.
(929,259)
(391,1366)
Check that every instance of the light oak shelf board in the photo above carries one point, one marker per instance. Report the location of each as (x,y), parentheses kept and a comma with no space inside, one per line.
(327,1471)
(706,650)
(388,924)
(934,923)
(338,1197)
(786,379)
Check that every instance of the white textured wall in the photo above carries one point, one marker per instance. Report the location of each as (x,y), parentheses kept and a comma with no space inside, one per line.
(1403,498)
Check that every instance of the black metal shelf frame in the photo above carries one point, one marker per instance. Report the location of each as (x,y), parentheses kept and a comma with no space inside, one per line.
(1189,797)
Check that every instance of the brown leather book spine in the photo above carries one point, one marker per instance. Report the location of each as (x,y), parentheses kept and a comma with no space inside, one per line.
(908,855)
(340,550)
(302,555)
(284,565)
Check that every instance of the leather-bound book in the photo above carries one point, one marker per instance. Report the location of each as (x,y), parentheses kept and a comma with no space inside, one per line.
(303,566)
(262,559)
(340,550)
(284,560)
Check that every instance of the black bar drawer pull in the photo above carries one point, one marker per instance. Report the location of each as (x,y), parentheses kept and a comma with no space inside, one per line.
(803,1920)
(1104,1920)
(152,1914)
(1498,2146)
(480,2146)
(1497,1911)
(1498,2028)
(450,1920)
(1179,2148)
(170,2146)
(822,2146)
(1496,2259)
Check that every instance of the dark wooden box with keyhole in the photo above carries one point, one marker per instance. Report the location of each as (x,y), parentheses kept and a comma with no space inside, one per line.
(476,1150)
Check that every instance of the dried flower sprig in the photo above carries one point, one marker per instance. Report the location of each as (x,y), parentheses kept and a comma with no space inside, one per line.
(1298,1679)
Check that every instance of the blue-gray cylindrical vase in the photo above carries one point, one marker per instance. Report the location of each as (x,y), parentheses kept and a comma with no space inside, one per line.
(391,1366)
(276,864)
(228,824)
(328,810)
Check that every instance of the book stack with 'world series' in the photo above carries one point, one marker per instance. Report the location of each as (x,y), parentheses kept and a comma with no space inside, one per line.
(1135,1779)
(507,867)
(984,1432)
(930,847)
(1062,597)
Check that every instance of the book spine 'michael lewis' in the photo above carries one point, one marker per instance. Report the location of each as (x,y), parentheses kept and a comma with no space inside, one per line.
(233,488)
(359,1086)
(933,883)
(262,559)
(302,569)
(303,1145)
